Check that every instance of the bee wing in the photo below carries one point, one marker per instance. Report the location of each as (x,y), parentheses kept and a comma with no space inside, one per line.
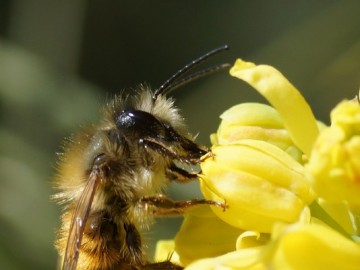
(78,221)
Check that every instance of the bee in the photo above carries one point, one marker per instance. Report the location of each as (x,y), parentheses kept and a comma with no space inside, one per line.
(111,177)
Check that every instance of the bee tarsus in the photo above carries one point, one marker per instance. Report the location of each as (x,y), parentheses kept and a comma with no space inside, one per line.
(164,206)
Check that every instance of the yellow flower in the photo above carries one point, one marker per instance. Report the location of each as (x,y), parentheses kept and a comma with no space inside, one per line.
(334,165)
(260,183)
(294,247)
(256,167)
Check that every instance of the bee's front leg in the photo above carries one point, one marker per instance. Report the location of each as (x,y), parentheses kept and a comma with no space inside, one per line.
(167,265)
(162,205)
(179,175)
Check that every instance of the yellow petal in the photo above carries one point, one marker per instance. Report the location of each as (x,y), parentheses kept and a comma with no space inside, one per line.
(244,259)
(314,246)
(252,114)
(164,250)
(203,234)
(286,99)
(251,239)
(341,213)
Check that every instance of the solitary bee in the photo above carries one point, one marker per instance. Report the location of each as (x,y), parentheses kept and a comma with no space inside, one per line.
(111,176)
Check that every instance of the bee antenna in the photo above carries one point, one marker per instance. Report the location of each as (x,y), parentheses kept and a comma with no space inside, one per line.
(192,77)
(178,78)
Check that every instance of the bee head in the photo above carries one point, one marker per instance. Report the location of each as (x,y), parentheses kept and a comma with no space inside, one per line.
(154,121)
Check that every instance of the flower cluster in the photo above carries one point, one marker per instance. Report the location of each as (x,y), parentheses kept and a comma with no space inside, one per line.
(292,186)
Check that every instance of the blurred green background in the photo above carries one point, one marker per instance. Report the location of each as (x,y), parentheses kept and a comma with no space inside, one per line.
(60,60)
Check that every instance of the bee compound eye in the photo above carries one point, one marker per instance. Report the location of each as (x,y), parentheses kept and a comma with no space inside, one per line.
(99,159)
(140,123)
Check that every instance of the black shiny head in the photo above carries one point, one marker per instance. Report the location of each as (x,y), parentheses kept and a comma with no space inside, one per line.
(141,123)
(160,136)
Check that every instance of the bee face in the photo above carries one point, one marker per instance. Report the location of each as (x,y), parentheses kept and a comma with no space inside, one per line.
(151,132)
(112,175)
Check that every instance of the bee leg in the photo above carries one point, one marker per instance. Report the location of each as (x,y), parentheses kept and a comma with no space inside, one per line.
(164,206)
(177,174)
(167,265)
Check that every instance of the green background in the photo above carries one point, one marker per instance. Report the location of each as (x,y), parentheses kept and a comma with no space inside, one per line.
(61,60)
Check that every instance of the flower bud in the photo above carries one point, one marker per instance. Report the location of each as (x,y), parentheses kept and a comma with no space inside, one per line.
(260,183)
(255,121)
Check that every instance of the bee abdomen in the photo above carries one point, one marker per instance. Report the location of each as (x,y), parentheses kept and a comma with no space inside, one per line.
(107,245)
